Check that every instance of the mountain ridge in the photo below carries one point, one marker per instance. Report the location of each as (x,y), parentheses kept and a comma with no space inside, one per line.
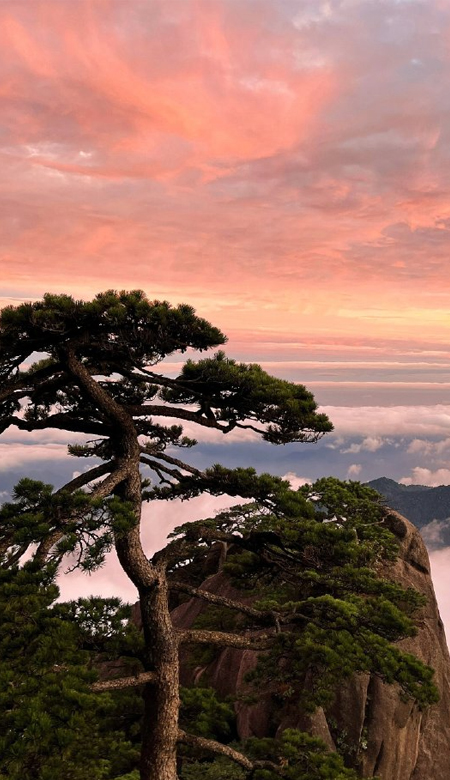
(419,503)
(428,508)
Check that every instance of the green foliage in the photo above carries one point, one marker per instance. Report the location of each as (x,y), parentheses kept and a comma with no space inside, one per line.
(52,725)
(313,563)
(212,769)
(102,352)
(204,715)
(268,491)
(25,520)
(245,392)
(127,325)
(104,626)
(352,503)
(36,511)
(90,524)
(301,756)
(318,571)
(295,756)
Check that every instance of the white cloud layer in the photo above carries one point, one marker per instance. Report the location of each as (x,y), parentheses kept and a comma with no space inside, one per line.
(425,447)
(433,533)
(14,456)
(440,570)
(369,444)
(376,421)
(424,476)
(296,481)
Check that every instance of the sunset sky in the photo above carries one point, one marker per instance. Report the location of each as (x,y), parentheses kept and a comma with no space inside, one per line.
(282,165)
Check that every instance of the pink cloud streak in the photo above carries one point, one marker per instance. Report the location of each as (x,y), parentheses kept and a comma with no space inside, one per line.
(282,164)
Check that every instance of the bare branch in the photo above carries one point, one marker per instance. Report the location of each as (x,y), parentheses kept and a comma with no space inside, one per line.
(156,410)
(14,557)
(164,381)
(149,376)
(212,598)
(211,746)
(60,420)
(86,478)
(108,405)
(223,639)
(176,462)
(124,682)
(249,427)
(153,464)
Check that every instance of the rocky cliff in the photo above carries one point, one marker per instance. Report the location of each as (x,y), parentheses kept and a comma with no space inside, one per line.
(379,733)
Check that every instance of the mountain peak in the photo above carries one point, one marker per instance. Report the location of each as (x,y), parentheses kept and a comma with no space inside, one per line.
(419,503)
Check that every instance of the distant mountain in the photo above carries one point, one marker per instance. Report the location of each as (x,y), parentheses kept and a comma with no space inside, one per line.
(427,507)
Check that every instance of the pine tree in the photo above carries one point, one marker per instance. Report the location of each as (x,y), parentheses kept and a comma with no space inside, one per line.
(98,378)
(53,724)
(311,564)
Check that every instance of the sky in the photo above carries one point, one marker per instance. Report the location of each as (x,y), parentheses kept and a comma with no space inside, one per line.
(283,166)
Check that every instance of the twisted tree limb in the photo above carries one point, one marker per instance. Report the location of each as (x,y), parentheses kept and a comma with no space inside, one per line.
(212,746)
(257,614)
(224,639)
(124,682)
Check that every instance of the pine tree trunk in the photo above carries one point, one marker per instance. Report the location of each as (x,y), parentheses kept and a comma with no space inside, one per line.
(161,700)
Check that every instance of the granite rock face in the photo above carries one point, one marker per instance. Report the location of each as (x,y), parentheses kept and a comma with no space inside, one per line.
(380,734)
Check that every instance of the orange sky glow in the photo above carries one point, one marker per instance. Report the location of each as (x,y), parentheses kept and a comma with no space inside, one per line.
(282,165)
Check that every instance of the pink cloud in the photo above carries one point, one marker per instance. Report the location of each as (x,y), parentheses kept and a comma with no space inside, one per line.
(354,471)
(202,150)
(373,422)
(423,476)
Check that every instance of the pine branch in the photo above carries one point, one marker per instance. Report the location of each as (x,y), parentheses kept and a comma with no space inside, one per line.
(157,410)
(124,682)
(210,745)
(61,421)
(260,615)
(97,393)
(187,544)
(86,478)
(26,382)
(177,462)
(224,639)
(158,467)
(100,491)
(308,436)
(145,374)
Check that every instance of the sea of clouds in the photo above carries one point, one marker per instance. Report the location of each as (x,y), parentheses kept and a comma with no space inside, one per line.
(410,444)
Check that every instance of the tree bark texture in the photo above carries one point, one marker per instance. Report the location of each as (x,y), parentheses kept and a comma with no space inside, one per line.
(161,701)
